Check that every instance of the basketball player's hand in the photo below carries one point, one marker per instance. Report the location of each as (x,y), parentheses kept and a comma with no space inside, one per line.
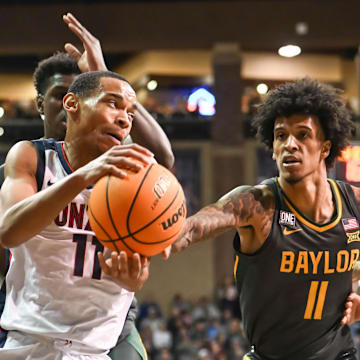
(116,161)
(129,272)
(352,309)
(92,58)
(182,242)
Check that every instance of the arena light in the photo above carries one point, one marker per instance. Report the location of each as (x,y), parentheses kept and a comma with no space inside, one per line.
(2,111)
(202,100)
(262,89)
(2,131)
(152,85)
(289,51)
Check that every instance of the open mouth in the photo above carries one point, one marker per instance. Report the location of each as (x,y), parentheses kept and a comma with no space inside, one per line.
(290,162)
(116,137)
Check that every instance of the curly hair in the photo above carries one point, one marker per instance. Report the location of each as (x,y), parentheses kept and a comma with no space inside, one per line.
(306,96)
(58,63)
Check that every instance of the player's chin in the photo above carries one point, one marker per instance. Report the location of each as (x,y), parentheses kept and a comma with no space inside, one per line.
(291,177)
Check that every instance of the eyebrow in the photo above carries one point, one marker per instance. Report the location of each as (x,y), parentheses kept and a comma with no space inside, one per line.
(117,96)
(305,127)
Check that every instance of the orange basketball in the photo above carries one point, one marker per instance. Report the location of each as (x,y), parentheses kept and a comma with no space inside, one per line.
(143,213)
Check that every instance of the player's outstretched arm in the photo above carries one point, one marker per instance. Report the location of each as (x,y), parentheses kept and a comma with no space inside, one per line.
(130,272)
(352,309)
(92,58)
(146,131)
(27,212)
(244,206)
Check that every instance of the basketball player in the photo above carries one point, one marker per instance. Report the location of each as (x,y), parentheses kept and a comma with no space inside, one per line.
(52,78)
(60,303)
(297,235)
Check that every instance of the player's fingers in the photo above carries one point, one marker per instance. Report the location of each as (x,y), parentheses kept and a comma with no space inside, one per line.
(79,29)
(166,252)
(114,264)
(140,149)
(123,264)
(73,51)
(135,266)
(103,264)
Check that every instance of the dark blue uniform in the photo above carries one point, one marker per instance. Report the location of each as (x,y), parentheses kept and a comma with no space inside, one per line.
(294,288)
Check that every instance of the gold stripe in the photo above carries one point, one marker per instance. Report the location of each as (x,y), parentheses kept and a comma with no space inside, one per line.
(321,300)
(143,346)
(316,227)
(236,266)
(246,357)
(311,300)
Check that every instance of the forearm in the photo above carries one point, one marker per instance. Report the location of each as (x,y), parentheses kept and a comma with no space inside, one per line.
(30,216)
(208,223)
(148,133)
(356,272)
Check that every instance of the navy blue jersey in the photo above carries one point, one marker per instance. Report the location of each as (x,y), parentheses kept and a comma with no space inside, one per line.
(294,288)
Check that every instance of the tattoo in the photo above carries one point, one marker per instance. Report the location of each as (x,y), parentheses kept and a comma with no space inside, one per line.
(242,207)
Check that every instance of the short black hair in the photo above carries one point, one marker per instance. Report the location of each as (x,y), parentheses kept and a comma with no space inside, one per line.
(58,63)
(86,83)
(307,97)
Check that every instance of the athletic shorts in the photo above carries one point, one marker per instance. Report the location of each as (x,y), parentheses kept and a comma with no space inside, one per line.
(130,348)
(25,347)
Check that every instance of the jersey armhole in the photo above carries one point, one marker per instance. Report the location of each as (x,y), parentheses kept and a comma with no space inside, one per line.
(350,196)
(40,169)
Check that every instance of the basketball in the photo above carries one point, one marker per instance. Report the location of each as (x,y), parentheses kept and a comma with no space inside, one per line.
(143,213)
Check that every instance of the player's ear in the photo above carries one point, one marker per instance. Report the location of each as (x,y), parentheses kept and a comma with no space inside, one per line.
(325,149)
(40,104)
(70,103)
(273,156)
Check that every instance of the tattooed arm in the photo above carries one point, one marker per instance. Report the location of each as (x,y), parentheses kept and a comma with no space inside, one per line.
(245,206)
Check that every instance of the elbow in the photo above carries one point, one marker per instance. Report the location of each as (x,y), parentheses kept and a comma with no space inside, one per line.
(167,160)
(8,238)
(4,240)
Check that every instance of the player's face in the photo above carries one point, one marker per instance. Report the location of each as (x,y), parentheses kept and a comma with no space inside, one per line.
(107,115)
(299,147)
(51,106)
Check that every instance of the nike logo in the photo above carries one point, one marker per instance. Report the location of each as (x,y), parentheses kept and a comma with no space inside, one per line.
(289,232)
(49,183)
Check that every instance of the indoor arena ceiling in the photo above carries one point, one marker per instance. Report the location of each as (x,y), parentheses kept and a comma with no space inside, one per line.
(35,28)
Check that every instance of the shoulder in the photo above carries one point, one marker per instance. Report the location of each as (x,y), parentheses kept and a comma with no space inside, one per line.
(22,156)
(257,193)
(356,191)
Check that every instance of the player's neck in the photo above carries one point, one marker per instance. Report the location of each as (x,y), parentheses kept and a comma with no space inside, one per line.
(76,154)
(312,196)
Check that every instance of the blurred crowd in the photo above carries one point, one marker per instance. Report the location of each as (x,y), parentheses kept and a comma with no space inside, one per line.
(208,329)
(164,106)
(204,329)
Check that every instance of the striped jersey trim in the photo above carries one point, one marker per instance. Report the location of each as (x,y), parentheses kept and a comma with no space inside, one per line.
(236,266)
(308,222)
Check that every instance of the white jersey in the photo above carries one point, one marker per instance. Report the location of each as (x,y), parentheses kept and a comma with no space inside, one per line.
(55,287)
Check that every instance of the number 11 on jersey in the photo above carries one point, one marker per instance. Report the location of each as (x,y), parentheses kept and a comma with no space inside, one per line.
(81,242)
(316,299)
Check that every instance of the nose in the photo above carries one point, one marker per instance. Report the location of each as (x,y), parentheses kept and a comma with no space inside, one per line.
(122,119)
(291,143)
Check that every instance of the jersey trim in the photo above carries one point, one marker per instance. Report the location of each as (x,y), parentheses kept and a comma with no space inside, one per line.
(40,169)
(63,158)
(236,266)
(309,223)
